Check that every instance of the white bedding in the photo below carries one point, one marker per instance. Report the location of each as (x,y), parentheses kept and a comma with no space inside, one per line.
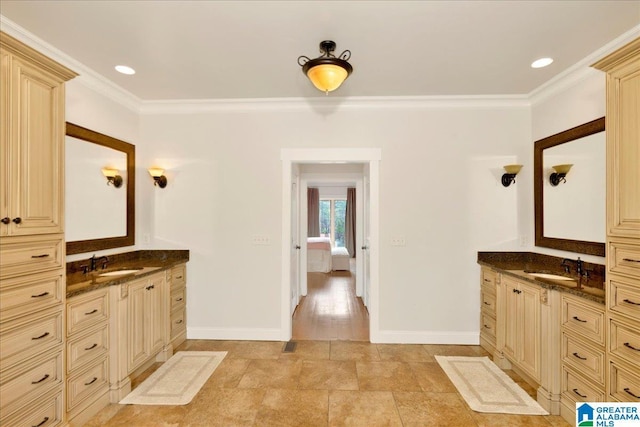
(319,254)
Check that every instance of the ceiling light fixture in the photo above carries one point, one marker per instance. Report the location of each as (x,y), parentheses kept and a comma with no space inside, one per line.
(327,72)
(541,63)
(125,70)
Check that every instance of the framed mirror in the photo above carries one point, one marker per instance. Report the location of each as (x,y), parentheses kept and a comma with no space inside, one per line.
(99,211)
(570,211)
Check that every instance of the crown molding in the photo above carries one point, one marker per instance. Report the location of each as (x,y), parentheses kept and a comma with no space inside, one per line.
(580,70)
(195,106)
(87,76)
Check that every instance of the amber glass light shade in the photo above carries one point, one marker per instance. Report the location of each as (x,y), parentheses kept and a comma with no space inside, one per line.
(156,172)
(112,177)
(512,169)
(327,77)
(562,168)
(109,172)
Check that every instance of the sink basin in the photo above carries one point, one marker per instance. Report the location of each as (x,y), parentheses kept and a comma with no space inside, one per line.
(119,272)
(549,276)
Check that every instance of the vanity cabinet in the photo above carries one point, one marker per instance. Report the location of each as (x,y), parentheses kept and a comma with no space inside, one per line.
(622,371)
(32,274)
(178,304)
(488,309)
(87,385)
(522,325)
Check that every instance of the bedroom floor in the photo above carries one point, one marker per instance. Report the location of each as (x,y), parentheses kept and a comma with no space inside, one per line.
(323,383)
(331,310)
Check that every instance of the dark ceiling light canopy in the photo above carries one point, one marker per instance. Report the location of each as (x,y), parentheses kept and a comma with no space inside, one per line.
(327,72)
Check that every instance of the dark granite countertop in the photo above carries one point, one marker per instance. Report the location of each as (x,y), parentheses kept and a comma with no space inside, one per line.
(145,262)
(518,264)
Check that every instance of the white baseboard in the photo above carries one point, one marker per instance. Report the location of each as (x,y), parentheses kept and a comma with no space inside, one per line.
(426,337)
(248,334)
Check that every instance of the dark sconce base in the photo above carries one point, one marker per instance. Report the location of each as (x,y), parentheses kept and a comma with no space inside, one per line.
(508,178)
(160,181)
(116,181)
(557,178)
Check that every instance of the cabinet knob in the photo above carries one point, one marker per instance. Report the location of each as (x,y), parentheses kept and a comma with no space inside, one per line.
(17,220)
(5,220)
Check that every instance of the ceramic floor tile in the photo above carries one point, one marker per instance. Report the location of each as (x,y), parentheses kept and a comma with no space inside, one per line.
(504,420)
(271,374)
(256,350)
(206,345)
(390,376)
(362,408)
(431,377)
(432,409)
(148,415)
(455,350)
(228,374)
(351,350)
(294,408)
(104,415)
(328,375)
(557,421)
(224,407)
(404,353)
(309,350)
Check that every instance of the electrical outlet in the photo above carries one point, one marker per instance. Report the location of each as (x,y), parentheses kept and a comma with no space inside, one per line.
(398,241)
(261,240)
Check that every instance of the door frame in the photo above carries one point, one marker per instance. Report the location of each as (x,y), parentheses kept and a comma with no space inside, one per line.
(290,156)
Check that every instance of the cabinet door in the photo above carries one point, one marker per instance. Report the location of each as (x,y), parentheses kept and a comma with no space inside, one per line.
(529,358)
(157,313)
(5,67)
(36,136)
(138,320)
(512,314)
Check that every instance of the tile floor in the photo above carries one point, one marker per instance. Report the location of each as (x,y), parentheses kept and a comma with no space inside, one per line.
(324,383)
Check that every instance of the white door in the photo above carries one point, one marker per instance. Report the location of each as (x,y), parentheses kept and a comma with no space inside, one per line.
(366,272)
(295,244)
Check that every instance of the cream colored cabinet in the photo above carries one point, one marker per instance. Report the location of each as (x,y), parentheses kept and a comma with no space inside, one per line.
(522,325)
(146,320)
(32,274)
(31,142)
(87,385)
(622,371)
(178,306)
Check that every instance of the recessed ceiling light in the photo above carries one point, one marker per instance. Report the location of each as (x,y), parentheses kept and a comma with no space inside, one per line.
(542,62)
(125,70)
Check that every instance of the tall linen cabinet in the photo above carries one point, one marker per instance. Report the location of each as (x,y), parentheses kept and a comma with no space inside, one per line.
(623,223)
(32,247)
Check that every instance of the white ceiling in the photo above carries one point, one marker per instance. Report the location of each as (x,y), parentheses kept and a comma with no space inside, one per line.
(249,49)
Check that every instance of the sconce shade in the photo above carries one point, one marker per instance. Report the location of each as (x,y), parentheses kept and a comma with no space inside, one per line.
(560,173)
(327,72)
(510,176)
(112,177)
(158,177)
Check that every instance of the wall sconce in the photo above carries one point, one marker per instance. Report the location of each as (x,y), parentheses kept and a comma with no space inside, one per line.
(510,176)
(158,178)
(559,175)
(112,177)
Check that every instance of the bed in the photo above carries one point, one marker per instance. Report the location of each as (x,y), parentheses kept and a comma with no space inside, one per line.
(318,254)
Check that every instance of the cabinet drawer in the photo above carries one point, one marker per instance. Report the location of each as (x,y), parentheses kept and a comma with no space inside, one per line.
(624,384)
(87,310)
(584,358)
(178,298)
(22,256)
(178,323)
(583,318)
(28,336)
(46,411)
(82,350)
(89,381)
(577,389)
(36,380)
(624,258)
(488,327)
(624,341)
(179,275)
(624,298)
(489,278)
(488,303)
(22,295)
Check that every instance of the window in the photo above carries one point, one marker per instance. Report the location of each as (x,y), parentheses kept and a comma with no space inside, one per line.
(332,216)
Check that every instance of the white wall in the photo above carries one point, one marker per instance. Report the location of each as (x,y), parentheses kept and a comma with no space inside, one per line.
(440,188)
(575,104)
(90,109)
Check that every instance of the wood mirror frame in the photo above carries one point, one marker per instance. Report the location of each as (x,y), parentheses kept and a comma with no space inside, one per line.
(579,246)
(82,246)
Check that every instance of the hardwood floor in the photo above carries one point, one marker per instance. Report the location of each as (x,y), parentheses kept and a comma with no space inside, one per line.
(331,310)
